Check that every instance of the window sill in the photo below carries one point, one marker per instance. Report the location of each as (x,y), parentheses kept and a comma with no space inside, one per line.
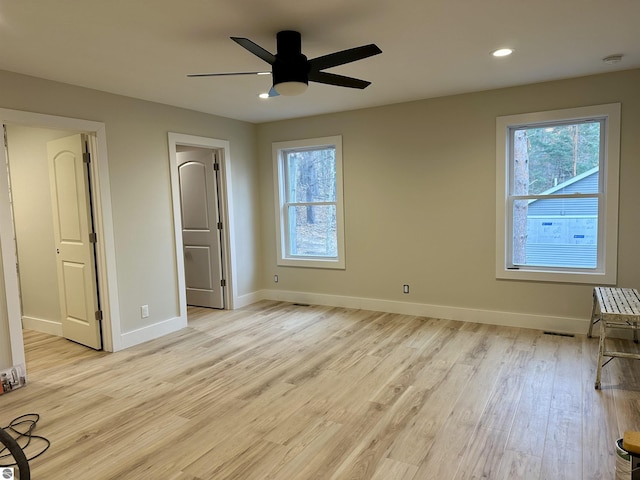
(555,276)
(312,263)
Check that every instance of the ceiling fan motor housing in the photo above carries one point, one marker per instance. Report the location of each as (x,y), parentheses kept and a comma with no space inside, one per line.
(290,65)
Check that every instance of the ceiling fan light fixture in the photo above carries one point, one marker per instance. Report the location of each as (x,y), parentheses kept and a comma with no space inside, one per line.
(502,52)
(290,89)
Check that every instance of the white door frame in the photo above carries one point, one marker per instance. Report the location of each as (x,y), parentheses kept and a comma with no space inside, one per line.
(105,250)
(226,215)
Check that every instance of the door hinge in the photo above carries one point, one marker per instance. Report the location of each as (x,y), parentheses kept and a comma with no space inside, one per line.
(223,283)
(219,225)
(216,166)
(4,130)
(86,157)
(93,237)
(99,315)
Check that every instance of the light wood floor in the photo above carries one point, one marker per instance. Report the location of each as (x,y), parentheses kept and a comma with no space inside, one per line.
(279,391)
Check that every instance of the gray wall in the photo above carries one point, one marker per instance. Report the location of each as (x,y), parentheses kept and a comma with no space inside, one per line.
(136,133)
(419,184)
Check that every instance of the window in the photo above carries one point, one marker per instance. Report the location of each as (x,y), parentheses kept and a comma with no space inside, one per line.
(557,195)
(309,215)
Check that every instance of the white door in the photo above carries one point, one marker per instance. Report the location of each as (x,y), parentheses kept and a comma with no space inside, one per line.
(201,228)
(73,231)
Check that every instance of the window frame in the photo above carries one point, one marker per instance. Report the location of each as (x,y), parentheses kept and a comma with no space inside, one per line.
(284,258)
(609,172)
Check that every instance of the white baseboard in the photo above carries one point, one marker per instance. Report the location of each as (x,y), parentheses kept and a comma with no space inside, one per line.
(151,332)
(248,299)
(42,325)
(508,319)
(127,339)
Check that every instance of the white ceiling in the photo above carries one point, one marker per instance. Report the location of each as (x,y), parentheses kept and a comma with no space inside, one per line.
(144,48)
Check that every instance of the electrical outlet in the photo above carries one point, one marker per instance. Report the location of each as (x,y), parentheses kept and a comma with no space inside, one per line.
(144,311)
(275,278)
(405,288)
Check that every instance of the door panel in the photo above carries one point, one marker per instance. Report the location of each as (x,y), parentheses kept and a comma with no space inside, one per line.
(68,194)
(200,233)
(198,277)
(74,251)
(73,277)
(193,195)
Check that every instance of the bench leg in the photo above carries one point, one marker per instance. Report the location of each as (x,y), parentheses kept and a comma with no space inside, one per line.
(600,354)
(595,313)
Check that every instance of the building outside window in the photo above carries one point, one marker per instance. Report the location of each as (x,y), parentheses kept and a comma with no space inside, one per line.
(557,195)
(309,212)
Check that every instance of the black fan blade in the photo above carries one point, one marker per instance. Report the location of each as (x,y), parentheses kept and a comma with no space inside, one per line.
(225,74)
(345,56)
(255,49)
(339,80)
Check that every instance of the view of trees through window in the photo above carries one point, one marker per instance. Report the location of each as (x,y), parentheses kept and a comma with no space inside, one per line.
(548,161)
(311,202)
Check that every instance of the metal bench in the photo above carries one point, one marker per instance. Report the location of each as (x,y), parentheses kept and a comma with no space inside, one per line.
(614,308)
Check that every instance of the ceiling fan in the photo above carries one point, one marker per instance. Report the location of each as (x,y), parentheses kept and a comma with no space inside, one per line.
(292,72)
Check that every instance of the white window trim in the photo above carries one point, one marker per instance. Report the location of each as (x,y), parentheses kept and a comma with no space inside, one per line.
(606,274)
(280,196)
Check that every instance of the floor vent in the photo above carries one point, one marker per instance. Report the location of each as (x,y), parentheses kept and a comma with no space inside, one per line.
(558,334)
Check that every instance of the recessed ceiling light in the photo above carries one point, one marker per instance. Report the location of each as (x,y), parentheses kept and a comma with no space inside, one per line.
(264,95)
(502,52)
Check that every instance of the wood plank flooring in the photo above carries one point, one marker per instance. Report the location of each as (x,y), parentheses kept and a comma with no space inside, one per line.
(280,391)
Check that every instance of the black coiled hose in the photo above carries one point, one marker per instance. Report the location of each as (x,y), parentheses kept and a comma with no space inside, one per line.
(21,460)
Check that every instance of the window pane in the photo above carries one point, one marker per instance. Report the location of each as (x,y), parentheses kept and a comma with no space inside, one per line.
(311,175)
(556,232)
(312,231)
(555,158)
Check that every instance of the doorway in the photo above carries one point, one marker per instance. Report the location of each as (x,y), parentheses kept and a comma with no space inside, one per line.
(199,178)
(53,225)
(105,253)
(213,151)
